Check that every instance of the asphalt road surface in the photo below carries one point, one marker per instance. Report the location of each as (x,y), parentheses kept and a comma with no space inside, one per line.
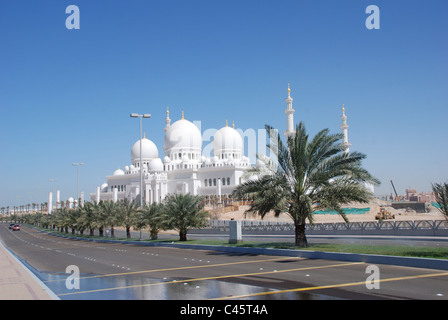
(116,271)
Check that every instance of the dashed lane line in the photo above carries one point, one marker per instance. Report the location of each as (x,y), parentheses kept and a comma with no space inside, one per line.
(213,278)
(184,268)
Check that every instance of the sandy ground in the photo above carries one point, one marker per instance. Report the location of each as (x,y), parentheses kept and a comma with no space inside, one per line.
(374,205)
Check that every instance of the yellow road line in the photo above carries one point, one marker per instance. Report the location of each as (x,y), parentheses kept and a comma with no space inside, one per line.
(214,278)
(182,268)
(332,286)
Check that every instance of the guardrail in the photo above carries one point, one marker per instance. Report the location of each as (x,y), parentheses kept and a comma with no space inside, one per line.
(385,227)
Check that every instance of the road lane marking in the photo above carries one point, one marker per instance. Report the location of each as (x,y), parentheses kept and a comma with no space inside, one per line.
(184,268)
(213,278)
(334,286)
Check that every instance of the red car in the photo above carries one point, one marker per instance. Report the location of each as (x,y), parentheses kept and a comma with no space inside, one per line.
(16,227)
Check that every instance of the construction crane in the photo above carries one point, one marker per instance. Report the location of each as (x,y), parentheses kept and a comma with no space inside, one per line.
(398,199)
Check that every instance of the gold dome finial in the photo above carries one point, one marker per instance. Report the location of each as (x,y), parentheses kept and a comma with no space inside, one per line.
(289,89)
(182,113)
(343,108)
(144,135)
(233,124)
(167,110)
(227,123)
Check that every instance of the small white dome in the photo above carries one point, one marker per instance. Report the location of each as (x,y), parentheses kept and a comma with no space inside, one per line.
(149,150)
(104,186)
(166,159)
(118,172)
(131,167)
(155,165)
(208,161)
(126,168)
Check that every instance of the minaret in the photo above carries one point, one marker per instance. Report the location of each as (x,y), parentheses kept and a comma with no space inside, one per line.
(289,115)
(167,119)
(345,145)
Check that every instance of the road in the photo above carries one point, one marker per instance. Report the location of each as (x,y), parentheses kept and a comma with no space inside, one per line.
(116,271)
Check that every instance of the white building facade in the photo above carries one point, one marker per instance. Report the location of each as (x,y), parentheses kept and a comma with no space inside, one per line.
(184,168)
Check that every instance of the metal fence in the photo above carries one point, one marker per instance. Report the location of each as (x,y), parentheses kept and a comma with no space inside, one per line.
(417,227)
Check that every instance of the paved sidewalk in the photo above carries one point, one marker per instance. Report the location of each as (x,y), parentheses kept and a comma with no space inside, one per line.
(19,283)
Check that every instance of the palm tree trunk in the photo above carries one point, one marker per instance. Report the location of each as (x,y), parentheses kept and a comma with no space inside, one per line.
(128,232)
(182,235)
(154,234)
(300,237)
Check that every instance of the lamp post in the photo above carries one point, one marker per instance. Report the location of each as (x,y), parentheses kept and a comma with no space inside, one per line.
(77,165)
(145,115)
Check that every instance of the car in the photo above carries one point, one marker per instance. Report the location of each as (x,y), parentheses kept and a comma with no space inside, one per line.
(16,227)
(11,226)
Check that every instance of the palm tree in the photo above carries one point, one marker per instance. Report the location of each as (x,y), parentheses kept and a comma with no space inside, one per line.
(182,212)
(72,219)
(62,219)
(306,175)
(441,194)
(101,218)
(152,217)
(127,211)
(109,210)
(88,217)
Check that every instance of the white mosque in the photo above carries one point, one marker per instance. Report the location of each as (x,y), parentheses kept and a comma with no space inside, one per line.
(184,168)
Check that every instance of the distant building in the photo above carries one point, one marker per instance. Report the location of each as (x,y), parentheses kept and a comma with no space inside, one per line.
(413,195)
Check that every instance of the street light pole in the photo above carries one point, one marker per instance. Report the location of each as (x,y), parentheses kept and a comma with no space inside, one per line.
(77,165)
(145,115)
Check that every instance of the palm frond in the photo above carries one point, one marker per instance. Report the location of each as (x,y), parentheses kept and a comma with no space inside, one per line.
(441,194)
(311,173)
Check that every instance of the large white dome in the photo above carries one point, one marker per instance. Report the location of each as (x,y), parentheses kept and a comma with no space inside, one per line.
(149,150)
(227,141)
(183,135)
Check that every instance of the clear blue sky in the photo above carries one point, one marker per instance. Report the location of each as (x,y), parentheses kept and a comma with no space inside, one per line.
(66,95)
